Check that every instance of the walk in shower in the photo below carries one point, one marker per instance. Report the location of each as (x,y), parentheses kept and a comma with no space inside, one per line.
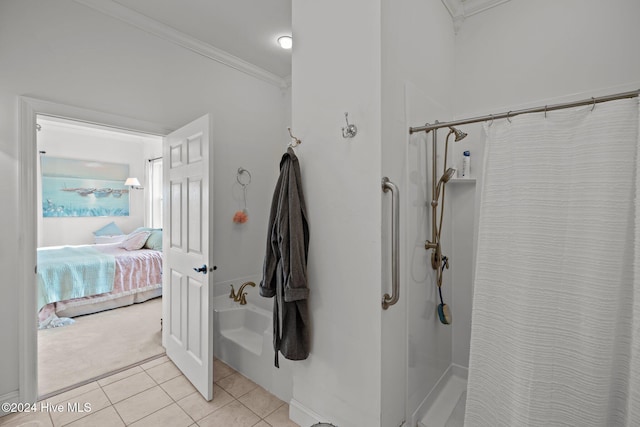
(533,356)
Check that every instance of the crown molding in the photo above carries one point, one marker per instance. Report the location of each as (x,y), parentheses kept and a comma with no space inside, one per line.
(459,9)
(151,26)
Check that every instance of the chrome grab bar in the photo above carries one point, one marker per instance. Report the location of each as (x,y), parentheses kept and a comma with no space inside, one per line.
(389,300)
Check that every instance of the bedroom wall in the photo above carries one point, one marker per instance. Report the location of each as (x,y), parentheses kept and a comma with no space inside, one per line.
(70,54)
(70,141)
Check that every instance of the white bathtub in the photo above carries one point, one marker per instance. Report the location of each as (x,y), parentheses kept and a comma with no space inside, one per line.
(243,339)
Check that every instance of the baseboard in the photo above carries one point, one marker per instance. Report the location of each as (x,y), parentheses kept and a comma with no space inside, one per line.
(303,416)
(11,397)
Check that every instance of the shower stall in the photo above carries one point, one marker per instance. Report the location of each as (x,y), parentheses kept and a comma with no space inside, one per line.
(442,374)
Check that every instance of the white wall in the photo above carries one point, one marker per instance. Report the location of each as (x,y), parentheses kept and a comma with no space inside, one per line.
(417,82)
(71,141)
(336,68)
(70,54)
(525,54)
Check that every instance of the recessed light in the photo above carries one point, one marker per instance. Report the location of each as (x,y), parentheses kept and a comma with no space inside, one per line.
(285,42)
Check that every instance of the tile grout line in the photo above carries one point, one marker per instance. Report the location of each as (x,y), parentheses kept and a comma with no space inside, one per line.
(109,399)
(172,400)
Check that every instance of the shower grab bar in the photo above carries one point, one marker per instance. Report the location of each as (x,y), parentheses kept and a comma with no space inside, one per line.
(389,300)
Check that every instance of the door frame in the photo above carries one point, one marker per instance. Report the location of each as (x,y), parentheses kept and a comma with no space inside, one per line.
(28,109)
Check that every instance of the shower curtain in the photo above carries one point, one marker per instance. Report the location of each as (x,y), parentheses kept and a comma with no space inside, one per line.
(555,335)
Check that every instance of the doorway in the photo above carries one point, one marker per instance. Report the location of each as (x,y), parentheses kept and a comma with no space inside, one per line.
(29,108)
(81,174)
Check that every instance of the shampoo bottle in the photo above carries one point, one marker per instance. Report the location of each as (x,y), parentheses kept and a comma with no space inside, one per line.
(466,164)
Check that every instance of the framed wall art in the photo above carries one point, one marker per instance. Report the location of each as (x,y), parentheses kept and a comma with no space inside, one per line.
(81,188)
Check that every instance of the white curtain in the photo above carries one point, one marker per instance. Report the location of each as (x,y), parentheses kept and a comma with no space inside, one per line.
(555,335)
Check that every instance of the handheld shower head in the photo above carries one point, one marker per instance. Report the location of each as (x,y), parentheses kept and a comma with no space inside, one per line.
(443,180)
(459,135)
(448,175)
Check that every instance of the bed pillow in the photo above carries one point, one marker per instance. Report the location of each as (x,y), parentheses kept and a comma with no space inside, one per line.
(110,229)
(155,239)
(110,239)
(135,240)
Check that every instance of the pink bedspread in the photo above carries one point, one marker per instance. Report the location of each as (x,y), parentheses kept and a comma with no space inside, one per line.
(136,271)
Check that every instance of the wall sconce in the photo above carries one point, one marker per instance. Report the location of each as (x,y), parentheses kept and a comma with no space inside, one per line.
(133,184)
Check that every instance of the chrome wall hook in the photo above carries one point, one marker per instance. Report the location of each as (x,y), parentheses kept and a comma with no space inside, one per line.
(350,130)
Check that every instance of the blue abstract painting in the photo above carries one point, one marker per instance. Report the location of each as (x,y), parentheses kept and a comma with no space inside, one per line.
(74,188)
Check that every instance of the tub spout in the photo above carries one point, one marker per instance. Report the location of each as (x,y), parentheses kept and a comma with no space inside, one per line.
(240,296)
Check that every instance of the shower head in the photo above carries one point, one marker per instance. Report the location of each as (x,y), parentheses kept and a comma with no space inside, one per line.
(458,133)
(448,174)
(443,180)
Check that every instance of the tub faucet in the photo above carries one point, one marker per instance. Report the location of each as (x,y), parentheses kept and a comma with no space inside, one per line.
(241,295)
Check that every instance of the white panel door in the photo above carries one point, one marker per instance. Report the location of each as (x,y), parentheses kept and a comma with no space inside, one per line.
(187,283)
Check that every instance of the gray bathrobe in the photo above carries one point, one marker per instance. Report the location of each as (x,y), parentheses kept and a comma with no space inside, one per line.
(285,263)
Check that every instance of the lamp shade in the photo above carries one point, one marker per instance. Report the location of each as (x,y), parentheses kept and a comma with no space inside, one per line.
(132,182)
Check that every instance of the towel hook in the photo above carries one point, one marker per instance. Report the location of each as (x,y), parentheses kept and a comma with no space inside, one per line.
(295,141)
(350,130)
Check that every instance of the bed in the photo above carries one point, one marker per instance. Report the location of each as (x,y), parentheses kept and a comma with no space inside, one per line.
(85,279)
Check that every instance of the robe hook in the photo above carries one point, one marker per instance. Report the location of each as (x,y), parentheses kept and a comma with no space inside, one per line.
(350,130)
(295,141)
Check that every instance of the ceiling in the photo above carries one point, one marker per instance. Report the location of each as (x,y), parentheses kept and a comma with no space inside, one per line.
(239,33)
(246,29)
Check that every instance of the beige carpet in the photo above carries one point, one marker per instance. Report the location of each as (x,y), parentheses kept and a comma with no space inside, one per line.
(98,344)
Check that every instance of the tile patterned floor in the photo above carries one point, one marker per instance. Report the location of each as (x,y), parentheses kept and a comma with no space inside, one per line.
(156,394)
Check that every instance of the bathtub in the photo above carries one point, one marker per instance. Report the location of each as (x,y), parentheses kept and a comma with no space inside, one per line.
(243,339)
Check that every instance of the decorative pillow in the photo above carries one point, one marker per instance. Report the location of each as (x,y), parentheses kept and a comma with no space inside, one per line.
(135,240)
(155,240)
(110,229)
(110,239)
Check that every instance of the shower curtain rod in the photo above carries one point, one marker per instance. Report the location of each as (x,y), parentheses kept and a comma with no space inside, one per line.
(591,101)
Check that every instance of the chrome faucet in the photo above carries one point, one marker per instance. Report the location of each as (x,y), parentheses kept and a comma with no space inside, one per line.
(241,296)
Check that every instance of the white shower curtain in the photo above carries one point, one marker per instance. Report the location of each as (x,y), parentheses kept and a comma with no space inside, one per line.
(555,335)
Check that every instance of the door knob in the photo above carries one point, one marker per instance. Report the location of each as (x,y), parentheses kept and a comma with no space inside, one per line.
(202,269)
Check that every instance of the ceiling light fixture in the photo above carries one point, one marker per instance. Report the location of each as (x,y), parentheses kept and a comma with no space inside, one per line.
(285,42)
